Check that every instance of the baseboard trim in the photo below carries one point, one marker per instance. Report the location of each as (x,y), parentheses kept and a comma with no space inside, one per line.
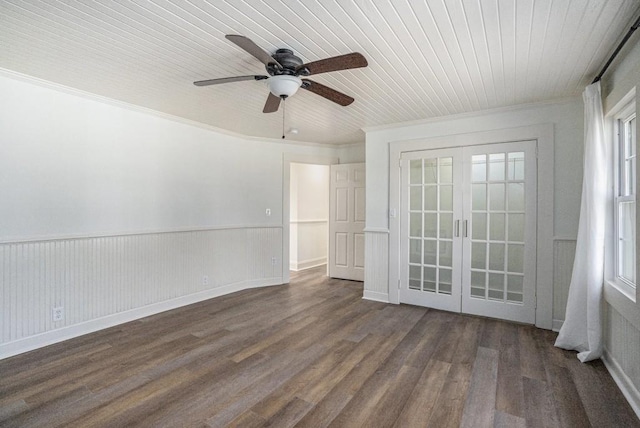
(376,296)
(30,343)
(625,384)
(557,325)
(307,264)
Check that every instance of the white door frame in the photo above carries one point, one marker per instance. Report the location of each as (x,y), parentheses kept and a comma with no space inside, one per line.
(288,159)
(544,136)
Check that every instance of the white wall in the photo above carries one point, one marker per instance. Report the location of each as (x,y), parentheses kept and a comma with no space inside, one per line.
(352,153)
(566,117)
(99,197)
(309,215)
(622,315)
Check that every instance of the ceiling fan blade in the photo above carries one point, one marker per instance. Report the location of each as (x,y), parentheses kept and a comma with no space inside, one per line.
(272,104)
(255,50)
(336,63)
(228,80)
(327,92)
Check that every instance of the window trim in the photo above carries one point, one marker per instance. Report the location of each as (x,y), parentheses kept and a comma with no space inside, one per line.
(626,288)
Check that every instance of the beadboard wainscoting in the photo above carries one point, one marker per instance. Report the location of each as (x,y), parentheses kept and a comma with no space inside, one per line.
(564,251)
(104,281)
(376,265)
(622,355)
(308,243)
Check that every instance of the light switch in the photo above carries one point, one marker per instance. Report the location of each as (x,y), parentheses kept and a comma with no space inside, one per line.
(268,212)
(392,213)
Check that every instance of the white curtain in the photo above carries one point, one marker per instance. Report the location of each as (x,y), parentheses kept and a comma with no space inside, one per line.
(582,328)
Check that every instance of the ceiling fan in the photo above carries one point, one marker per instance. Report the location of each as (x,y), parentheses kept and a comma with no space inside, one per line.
(285,69)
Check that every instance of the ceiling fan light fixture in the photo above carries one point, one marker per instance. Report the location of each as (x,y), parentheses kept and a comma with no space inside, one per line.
(284,85)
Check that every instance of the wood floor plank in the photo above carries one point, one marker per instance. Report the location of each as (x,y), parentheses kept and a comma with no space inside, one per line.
(509,392)
(569,406)
(422,399)
(505,420)
(449,405)
(531,361)
(480,405)
(312,353)
(540,409)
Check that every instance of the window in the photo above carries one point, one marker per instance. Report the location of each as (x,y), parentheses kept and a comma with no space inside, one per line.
(625,197)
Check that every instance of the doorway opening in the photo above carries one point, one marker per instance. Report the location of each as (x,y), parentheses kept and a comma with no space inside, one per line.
(308,215)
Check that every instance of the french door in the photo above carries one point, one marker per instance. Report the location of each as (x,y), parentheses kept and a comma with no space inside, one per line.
(468,229)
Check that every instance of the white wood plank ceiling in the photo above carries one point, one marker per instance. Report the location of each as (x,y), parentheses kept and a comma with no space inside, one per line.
(426,58)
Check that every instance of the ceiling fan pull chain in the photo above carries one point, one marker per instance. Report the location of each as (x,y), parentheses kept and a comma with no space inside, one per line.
(284,109)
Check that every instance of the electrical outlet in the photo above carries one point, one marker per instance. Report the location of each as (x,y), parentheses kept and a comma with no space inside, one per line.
(57,313)
(274,261)
(205,280)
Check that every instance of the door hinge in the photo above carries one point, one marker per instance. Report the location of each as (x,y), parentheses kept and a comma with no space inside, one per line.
(398,284)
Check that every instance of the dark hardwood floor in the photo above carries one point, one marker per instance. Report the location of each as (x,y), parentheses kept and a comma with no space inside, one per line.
(311,354)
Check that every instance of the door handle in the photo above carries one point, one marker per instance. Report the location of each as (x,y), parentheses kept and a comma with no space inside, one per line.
(465,229)
(457,229)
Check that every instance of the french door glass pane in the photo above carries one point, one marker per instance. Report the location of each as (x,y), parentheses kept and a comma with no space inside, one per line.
(516,166)
(479,197)
(478,284)
(431,198)
(478,255)
(431,227)
(446,198)
(496,256)
(478,168)
(515,231)
(430,252)
(497,226)
(414,277)
(496,166)
(479,223)
(415,225)
(516,196)
(446,226)
(415,173)
(496,197)
(415,250)
(446,170)
(415,198)
(430,171)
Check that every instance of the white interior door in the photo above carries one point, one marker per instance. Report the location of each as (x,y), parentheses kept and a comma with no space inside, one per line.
(346,221)
(468,230)
(430,228)
(499,242)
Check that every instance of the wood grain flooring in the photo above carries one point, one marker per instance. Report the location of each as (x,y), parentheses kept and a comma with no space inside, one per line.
(309,354)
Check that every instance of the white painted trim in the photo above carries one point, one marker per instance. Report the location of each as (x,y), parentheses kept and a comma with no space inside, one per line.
(69,237)
(376,296)
(625,384)
(471,114)
(565,238)
(308,221)
(307,264)
(623,303)
(557,325)
(136,108)
(376,230)
(30,343)
(544,134)
(287,160)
